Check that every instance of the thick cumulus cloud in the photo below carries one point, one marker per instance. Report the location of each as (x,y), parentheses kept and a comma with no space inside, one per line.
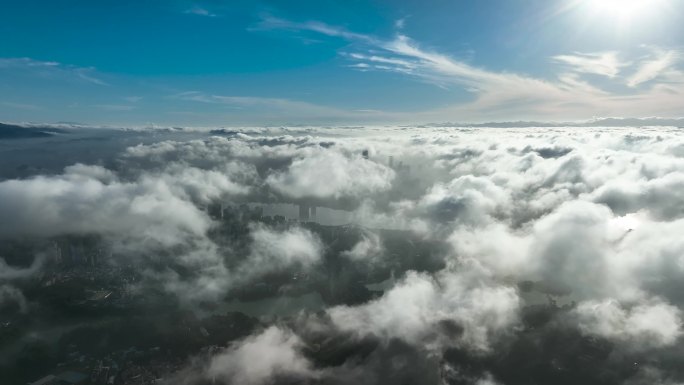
(368,250)
(90,199)
(660,196)
(11,295)
(452,308)
(561,243)
(291,167)
(583,249)
(261,359)
(214,271)
(331,175)
(468,199)
(9,273)
(274,250)
(649,324)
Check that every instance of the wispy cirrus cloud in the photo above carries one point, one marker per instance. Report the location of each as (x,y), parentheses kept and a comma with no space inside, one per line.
(248,101)
(603,63)
(20,106)
(275,107)
(133,99)
(87,75)
(26,62)
(52,69)
(653,67)
(200,11)
(507,95)
(399,24)
(115,107)
(272,23)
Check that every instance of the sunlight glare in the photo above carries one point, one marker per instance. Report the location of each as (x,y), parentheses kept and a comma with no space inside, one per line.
(624,10)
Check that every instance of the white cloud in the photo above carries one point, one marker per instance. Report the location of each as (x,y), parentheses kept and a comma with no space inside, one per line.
(10,294)
(21,106)
(91,199)
(329,174)
(87,74)
(270,22)
(260,359)
(26,62)
(591,215)
(8,273)
(133,99)
(53,69)
(650,69)
(199,11)
(368,250)
(270,251)
(648,325)
(115,107)
(278,108)
(453,308)
(509,96)
(604,63)
(466,199)
(274,250)
(79,204)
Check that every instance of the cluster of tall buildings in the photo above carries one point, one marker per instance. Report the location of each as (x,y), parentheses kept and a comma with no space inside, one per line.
(399,166)
(75,251)
(307,213)
(242,212)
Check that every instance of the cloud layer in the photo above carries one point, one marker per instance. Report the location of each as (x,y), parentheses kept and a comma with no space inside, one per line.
(540,235)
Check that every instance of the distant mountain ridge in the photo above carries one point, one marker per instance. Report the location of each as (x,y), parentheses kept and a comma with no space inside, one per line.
(598,122)
(12,131)
(40,130)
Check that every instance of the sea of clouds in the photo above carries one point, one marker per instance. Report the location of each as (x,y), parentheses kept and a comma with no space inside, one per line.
(588,214)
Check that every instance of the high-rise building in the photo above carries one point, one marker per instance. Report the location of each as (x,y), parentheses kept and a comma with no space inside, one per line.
(312,213)
(215,210)
(365,154)
(303,212)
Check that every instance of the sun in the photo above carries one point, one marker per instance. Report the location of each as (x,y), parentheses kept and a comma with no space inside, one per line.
(624,10)
(621,6)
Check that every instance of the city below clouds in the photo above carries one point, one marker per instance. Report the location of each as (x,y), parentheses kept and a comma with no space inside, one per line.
(460,255)
(335,192)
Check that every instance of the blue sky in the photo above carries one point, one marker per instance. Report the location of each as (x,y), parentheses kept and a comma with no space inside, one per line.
(339,62)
